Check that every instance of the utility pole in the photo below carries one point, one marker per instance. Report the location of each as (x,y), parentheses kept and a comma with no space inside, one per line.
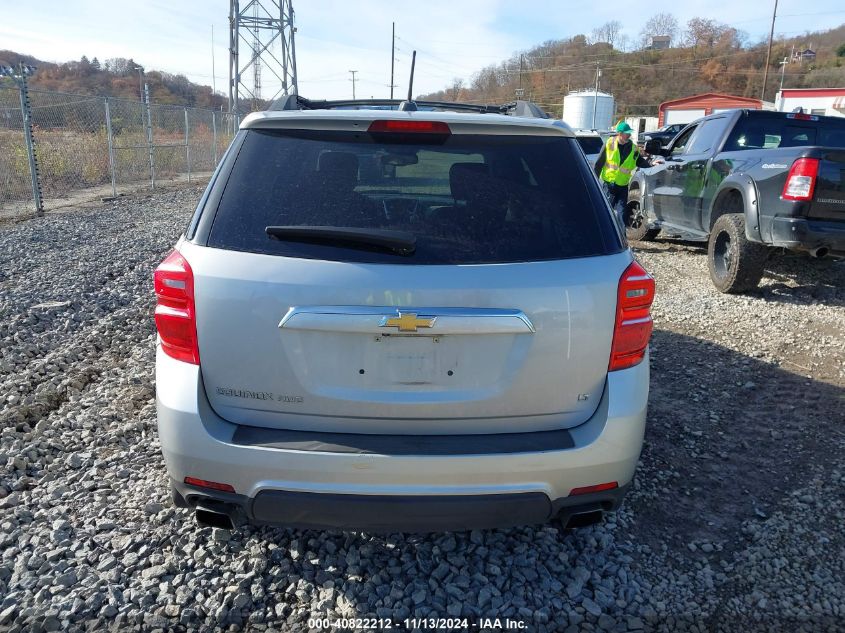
(782,69)
(140,70)
(596,94)
(521,66)
(213,78)
(769,53)
(392,55)
(353,83)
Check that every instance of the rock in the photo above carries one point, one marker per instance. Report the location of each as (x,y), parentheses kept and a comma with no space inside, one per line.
(66,580)
(7,613)
(156,571)
(591,607)
(221,535)
(240,601)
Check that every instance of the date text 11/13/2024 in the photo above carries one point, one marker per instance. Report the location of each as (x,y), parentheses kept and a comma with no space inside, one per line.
(411,624)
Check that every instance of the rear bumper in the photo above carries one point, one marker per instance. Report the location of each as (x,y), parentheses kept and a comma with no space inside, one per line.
(348,481)
(808,235)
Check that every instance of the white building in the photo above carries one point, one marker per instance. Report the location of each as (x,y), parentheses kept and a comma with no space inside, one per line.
(641,124)
(821,101)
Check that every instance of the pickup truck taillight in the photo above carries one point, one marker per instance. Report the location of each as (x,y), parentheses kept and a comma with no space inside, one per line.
(801,181)
(633,318)
(175,315)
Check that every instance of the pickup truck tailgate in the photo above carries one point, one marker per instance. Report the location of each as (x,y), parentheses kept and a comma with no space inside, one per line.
(829,198)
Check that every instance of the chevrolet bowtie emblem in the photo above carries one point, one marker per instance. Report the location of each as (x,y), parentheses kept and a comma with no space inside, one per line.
(407,321)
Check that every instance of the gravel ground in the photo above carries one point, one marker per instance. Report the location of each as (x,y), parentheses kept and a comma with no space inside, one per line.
(735,522)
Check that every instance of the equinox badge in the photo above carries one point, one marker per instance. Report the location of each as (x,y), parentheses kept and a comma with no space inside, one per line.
(407,321)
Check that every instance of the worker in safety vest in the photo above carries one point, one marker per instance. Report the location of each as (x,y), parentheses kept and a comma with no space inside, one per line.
(616,165)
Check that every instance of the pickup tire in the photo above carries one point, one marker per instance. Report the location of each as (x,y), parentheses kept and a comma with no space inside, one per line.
(636,224)
(736,264)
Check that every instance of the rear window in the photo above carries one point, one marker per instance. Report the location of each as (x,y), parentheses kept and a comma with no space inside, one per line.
(769,131)
(591,144)
(466,199)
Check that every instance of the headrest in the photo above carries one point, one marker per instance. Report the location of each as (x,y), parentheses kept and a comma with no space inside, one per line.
(339,164)
(467,178)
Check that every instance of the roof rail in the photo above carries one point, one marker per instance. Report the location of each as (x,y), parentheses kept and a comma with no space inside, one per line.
(515,108)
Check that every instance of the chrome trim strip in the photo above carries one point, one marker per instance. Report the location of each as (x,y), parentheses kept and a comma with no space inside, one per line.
(394,311)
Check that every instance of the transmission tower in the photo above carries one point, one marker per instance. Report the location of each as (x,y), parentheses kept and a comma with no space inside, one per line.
(260,26)
(256,64)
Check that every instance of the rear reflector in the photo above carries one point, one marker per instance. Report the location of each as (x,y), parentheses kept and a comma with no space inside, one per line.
(211,485)
(801,181)
(633,318)
(409,125)
(175,315)
(611,485)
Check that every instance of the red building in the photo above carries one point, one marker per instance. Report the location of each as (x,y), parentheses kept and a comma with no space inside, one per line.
(689,109)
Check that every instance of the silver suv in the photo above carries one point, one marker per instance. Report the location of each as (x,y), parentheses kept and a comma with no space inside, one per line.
(410,320)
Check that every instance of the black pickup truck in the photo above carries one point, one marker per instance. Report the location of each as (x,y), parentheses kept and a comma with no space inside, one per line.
(664,134)
(744,181)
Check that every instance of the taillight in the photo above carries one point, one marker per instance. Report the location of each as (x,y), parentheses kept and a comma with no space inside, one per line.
(633,318)
(801,181)
(409,125)
(175,315)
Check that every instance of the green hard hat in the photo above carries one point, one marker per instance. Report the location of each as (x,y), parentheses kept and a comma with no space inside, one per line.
(624,128)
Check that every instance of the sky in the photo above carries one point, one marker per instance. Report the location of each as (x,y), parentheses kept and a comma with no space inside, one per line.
(453,38)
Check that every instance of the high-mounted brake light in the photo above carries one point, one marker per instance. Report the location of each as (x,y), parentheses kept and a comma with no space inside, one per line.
(175,314)
(801,181)
(408,125)
(633,318)
(800,116)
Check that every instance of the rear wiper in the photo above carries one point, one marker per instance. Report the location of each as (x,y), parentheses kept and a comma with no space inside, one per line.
(399,242)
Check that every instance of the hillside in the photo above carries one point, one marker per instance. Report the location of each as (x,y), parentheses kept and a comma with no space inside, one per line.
(114,78)
(706,56)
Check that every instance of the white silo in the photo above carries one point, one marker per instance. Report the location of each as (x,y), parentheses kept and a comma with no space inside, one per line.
(578,108)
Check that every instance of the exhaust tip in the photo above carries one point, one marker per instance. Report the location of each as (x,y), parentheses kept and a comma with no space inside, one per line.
(820,252)
(207,518)
(584,519)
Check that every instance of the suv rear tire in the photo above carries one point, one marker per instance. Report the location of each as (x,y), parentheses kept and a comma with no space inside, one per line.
(636,224)
(735,263)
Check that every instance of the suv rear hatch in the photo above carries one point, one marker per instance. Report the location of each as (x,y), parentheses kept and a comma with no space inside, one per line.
(406,279)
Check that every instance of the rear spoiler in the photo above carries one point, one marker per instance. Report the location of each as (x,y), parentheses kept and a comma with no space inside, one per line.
(515,108)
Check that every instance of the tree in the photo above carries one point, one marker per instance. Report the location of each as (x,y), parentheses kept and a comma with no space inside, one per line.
(703,32)
(95,64)
(608,32)
(453,92)
(660,24)
(840,52)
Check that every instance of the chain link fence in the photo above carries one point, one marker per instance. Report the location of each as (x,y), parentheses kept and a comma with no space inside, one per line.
(96,146)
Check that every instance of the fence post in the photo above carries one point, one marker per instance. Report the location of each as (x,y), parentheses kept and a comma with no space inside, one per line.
(150,136)
(214,134)
(30,145)
(187,146)
(111,146)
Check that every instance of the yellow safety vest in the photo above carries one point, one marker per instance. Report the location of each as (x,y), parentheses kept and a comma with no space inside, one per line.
(612,171)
